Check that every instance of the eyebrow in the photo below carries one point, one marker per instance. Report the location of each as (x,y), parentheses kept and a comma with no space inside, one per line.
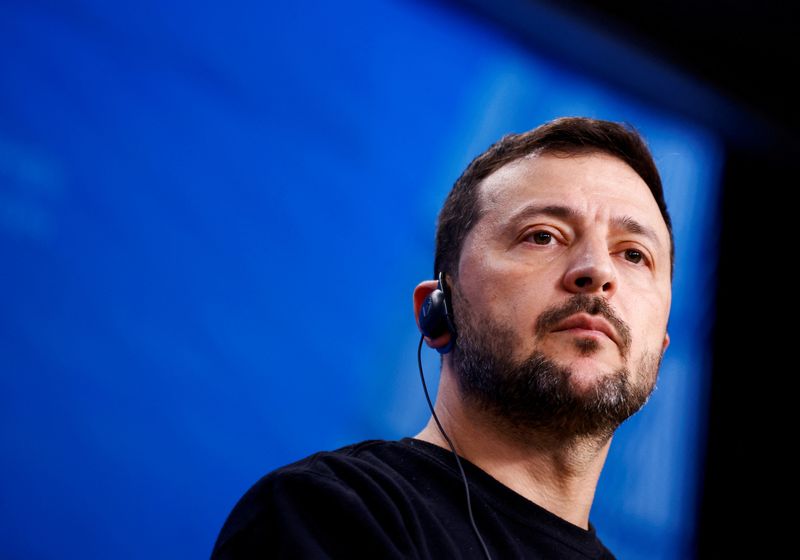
(555,210)
(624,223)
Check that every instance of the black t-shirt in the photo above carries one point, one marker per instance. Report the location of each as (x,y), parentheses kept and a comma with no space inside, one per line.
(393,499)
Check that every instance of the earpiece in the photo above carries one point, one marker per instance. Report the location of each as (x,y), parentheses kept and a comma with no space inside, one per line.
(436,315)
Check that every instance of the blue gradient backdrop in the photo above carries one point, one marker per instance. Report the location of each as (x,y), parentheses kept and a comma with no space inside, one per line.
(212,218)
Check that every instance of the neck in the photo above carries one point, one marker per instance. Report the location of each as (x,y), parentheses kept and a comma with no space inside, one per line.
(559,474)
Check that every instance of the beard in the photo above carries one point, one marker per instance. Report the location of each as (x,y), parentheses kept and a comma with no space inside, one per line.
(536,395)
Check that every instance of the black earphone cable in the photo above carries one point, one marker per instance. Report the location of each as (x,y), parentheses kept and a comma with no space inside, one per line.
(452,448)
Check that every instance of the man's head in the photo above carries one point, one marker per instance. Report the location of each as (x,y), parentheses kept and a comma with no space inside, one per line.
(558,249)
(569,135)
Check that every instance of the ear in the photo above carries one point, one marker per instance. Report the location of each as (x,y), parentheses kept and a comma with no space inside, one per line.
(422,291)
(666,343)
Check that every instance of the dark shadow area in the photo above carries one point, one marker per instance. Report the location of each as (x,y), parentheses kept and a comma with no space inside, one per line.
(749,444)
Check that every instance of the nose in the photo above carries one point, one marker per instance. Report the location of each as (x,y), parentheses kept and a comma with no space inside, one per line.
(591,270)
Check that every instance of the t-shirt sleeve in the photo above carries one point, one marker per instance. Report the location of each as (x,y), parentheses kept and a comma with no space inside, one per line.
(304,514)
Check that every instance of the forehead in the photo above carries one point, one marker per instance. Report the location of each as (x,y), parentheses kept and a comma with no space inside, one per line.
(594,185)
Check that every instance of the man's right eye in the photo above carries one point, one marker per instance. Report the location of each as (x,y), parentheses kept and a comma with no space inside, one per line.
(541,237)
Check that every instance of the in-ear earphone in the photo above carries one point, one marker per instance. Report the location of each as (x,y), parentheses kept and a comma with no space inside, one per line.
(436,314)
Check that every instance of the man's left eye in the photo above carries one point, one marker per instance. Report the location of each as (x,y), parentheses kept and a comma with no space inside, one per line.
(634,256)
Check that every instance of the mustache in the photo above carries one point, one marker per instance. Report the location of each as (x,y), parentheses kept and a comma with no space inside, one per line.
(583,303)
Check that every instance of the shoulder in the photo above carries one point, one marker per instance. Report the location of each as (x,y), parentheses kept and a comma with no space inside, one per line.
(343,469)
(322,498)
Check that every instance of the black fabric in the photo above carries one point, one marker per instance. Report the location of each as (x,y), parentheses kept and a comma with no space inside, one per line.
(393,499)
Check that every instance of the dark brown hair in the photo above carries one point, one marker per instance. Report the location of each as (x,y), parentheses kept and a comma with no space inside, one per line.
(569,135)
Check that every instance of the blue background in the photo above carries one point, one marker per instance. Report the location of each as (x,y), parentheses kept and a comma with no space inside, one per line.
(212,219)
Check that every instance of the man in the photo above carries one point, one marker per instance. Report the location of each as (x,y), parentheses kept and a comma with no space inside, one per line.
(554,259)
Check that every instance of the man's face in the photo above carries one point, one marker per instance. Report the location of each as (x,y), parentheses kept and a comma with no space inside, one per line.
(563,293)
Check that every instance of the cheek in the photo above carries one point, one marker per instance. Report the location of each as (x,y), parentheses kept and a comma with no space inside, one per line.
(509,289)
(646,316)
(508,297)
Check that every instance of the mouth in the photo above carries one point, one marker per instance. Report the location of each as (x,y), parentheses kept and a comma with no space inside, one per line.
(588,325)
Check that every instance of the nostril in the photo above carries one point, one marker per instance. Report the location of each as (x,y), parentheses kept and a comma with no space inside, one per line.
(583,281)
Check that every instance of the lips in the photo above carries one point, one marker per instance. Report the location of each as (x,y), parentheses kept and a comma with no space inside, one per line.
(588,322)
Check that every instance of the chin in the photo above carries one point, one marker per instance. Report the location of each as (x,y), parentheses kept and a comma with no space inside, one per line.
(587,379)
(595,365)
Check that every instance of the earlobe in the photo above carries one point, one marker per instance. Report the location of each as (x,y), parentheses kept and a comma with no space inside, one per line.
(439,342)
